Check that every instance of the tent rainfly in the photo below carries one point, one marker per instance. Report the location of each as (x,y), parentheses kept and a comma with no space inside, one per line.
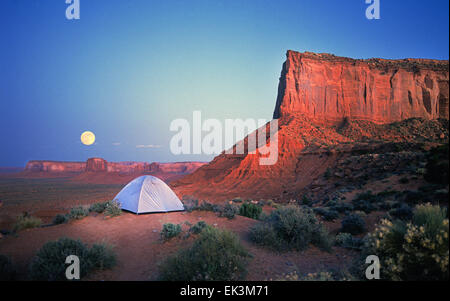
(148,194)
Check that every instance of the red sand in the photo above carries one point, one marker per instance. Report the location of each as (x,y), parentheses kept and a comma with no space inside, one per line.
(139,249)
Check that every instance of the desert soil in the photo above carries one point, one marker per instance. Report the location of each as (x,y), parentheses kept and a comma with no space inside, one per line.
(45,198)
(136,240)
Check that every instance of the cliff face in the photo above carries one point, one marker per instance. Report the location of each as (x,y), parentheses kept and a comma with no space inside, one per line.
(328,89)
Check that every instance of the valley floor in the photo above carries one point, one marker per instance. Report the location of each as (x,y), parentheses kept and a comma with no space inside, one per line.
(136,241)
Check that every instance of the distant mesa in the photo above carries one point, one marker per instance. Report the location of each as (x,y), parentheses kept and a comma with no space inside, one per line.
(55,166)
(101,166)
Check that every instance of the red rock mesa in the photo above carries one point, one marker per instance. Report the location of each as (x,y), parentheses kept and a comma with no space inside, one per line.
(327,107)
(327,88)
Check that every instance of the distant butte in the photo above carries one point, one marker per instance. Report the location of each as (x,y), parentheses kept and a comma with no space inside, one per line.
(101,165)
(100,171)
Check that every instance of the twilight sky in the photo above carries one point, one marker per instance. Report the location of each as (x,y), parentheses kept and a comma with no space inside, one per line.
(127,68)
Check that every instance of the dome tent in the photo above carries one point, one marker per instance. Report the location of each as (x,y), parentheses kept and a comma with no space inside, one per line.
(148,194)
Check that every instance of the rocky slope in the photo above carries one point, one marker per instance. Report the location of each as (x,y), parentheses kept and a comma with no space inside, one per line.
(328,108)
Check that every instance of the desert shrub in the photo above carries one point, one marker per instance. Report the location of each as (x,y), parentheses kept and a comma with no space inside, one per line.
(78,213)
(328,276)
(60,219)
(368,196)
(361,214)
(438,165)
(329,203)
(250,210)
(421,172)
(49,262)
(215,255)
(318,276)
(102,256)
(193,205)
(265,234)
(270,203)
(190,204)
(388,205)
(416,250)
(98,207)
(198,227)
(320,210)
(291,228)
(404,212)
(169,231)
(432,218)
(343,239)
(260,203)
(341,207)
(415,197)
(331,215)
(229,211)
(387,193)
(7,270)
(353,224)
(26,221)
(328,173)
(206,206)
(306,201)
(327,214)
(346,240)
(113,208)
(369,202)
(294,276)
(364,205)
(404,180)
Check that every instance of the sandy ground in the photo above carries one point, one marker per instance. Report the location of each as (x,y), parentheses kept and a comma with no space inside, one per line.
(139,250)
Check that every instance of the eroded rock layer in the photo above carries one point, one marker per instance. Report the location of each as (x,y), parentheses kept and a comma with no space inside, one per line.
(327,88)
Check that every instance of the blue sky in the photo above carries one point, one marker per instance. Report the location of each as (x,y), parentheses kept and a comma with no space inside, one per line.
(126,69)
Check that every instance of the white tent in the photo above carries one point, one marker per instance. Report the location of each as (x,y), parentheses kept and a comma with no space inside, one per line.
(148,194)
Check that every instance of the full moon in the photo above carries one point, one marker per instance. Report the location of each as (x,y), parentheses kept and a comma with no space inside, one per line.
(87,138)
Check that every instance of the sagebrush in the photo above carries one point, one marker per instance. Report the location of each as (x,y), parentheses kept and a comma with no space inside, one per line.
(413,250)
(169,231)
(215,255)
(250,210)
(26,221)
(289,228)
(49,262)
